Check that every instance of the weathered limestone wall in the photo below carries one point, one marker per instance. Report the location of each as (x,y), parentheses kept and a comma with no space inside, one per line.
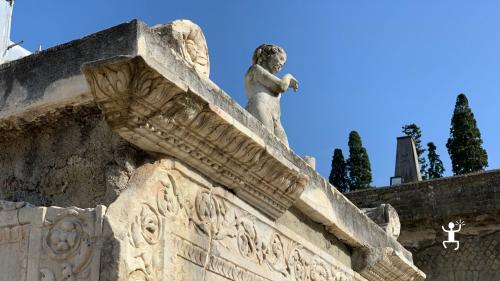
(424,207)
(67,158)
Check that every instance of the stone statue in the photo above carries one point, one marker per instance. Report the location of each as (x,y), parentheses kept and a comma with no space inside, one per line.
(264,89)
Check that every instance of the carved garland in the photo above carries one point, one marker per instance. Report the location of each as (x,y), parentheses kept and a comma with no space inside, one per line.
(214,216)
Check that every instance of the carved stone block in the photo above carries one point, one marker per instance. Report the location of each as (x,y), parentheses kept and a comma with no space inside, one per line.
(386,217)
(173,224)
(187,39)
(49,243)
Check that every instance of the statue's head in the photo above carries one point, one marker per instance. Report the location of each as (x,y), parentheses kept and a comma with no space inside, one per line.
(271,57)
(451,225)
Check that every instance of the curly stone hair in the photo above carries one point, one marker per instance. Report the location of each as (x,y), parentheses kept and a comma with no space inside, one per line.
(264,51)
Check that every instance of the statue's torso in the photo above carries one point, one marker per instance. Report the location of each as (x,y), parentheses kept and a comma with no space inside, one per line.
(259,95)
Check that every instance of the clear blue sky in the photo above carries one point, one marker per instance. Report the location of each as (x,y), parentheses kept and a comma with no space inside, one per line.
(370,66)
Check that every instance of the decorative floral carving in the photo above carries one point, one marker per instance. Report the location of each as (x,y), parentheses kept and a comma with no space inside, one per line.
(319,272)
(64,238)
(144,236)
(68,242)
(146,227)
(298,264)
(249,242)
(212,216)
(217,220)
(187,39)
(150,224)
(275,254)
(169,197)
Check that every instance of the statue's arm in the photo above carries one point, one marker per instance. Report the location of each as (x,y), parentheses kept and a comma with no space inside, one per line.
(444,229)
(269,80)
(459,227)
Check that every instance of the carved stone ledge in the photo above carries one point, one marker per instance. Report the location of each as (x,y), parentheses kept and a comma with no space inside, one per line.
(382,264)
(386,217)
(159,115)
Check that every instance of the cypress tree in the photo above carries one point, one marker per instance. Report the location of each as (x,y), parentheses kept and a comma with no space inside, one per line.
(358,165)
(465,143)
(436,167)
(413,131)
(338,175)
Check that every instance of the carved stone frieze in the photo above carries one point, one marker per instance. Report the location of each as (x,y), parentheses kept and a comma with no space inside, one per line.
(158,115)
(184,228)
(144,234)
(64,243)
(69,242)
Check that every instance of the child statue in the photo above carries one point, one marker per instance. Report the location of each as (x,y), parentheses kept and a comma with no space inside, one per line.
(264,89)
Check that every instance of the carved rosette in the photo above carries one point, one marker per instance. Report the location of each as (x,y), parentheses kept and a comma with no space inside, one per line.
(145,233)
(248,240)
(69,244)
(146,230)
(275,255)
(156,114)
(298,264)
(319,271)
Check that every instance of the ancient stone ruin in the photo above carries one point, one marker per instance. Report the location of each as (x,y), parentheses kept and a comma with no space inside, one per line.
(121,160)
(424,207)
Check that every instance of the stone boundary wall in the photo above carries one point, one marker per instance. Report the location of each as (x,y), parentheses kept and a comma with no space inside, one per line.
(424,207)
(426,202)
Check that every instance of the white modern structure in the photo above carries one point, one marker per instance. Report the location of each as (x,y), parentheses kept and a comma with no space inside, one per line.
(8,50)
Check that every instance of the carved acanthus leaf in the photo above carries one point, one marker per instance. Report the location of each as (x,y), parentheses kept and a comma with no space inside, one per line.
(159,115)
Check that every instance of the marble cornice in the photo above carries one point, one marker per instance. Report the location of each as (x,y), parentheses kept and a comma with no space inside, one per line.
(160,115)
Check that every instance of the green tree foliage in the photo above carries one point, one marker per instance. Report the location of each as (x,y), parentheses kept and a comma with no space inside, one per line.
(436,168)
(338,175)
(465,143)
(358,165)
(413,131)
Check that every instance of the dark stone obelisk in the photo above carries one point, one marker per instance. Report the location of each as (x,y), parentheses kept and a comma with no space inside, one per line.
(407,168)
